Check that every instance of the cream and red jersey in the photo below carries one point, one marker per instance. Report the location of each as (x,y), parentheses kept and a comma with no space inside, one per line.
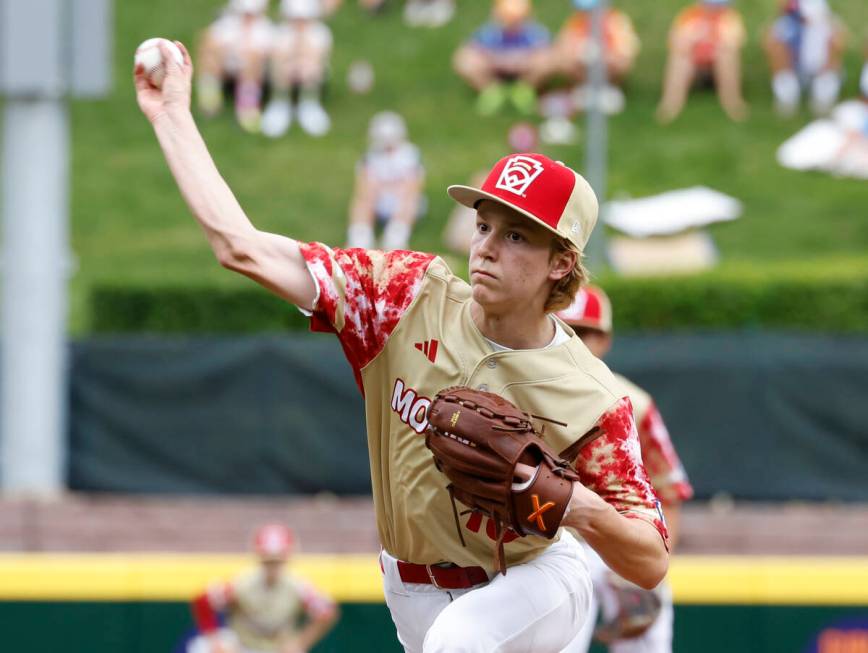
(658,453)
(263,616)
(404,322)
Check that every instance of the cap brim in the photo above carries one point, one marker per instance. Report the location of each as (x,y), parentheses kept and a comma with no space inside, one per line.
(469,197)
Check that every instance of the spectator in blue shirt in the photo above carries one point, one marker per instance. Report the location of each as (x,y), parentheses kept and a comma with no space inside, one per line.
(805,47)
(505,59)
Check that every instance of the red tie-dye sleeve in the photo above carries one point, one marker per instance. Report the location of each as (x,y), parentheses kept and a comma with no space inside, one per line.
(316,604)
(612,467)
(362,295)
(661,460)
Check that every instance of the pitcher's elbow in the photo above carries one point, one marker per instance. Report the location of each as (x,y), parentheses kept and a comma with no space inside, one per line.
(654,573)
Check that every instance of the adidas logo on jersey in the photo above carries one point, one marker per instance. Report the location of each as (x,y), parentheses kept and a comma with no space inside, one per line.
(429,348)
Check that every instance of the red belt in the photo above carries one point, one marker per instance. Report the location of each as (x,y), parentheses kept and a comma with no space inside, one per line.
(445,578)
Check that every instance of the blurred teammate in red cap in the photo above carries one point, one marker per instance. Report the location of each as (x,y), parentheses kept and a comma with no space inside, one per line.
(590,315)
(263,606)
(409,327)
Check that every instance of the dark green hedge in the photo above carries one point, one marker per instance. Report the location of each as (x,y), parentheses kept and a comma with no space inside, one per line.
(203,309)
(830,305)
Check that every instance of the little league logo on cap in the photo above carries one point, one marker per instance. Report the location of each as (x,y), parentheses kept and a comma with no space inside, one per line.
(518,174)
(546,191)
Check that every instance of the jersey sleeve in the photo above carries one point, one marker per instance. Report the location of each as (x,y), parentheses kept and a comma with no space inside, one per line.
(661,460)
(208,605)
(362,295)
(316,604)
(611,465)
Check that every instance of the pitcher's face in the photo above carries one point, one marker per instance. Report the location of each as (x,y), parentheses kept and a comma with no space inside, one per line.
(510,259)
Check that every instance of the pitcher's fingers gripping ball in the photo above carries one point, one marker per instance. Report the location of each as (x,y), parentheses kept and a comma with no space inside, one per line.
(478,440)
(150,56)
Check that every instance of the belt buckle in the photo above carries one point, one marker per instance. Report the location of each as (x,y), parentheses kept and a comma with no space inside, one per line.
(433,579)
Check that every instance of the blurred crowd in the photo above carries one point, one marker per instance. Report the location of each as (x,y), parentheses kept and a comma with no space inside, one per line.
(273,64)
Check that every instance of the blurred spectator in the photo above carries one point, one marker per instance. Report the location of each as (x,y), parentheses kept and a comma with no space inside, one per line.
(233,52)
(572,53)
(837,144)
(263,606)
(388,190)
(428,13)
(705,44)
(299,60)
(805,46)
(461,225)
(505,58)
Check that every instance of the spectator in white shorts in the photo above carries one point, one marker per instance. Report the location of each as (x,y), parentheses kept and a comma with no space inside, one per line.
(299,61)
(234,50)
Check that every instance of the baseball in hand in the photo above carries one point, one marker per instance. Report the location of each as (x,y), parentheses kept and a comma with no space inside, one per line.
(148,54)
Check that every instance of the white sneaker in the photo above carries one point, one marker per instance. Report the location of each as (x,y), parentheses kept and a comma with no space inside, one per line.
(558,131)
(414,13)
(277,118)
(786,89)
(612,100)
(313,118)
(440,12)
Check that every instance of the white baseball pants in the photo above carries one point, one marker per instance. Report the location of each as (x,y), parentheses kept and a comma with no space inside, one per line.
(536,607)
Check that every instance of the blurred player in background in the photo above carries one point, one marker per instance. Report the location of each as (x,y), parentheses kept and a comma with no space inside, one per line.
(388,189)
(266,610)
(572,52)
(300,53)
(622,604)
(233,52)
(805,48)
(506,58)
(705,45)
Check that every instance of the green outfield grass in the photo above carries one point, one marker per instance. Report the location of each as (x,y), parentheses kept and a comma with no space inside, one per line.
(130,224)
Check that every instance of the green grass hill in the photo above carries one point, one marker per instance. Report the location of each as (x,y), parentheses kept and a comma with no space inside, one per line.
(130,225)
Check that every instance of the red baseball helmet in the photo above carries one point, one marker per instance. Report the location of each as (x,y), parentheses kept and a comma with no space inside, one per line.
(273,542)
(590,309)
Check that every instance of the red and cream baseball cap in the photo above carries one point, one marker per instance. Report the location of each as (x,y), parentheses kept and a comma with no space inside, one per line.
(546,191)
(591,309)
(273,542)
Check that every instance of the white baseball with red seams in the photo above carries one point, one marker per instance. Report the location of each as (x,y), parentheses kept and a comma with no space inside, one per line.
(149,55)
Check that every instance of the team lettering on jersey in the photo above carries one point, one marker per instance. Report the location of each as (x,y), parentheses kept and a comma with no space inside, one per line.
(410,406)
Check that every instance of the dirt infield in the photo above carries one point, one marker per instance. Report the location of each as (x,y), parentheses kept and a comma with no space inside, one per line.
(325,524)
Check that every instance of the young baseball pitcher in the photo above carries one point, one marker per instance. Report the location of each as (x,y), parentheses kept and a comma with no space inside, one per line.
(410,328)
(650,620)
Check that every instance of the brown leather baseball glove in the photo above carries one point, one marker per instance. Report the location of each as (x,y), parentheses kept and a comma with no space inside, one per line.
(477,439)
